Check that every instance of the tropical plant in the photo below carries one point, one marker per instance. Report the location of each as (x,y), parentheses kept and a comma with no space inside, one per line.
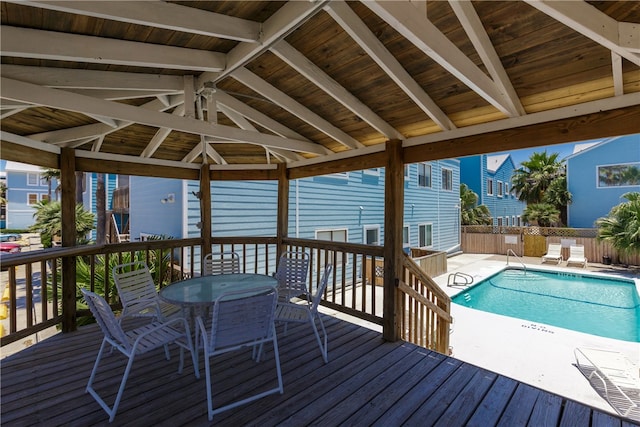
(542,179)
(48,222)
(49,175)
(622,226)
(471,213)
(542,214)
(3,193)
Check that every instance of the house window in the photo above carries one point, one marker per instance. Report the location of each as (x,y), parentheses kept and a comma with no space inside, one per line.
(424,175)
(499,221)
(500,193)
(44,197)
(619,175)
(489,187)
(519,221)
(372,235)
(406,237)
(513,221)
(335,235)
(372,171)
(406,172)
(425,235)
(32,198)
(506,221)
(506,189)
(447,179)
(33,179)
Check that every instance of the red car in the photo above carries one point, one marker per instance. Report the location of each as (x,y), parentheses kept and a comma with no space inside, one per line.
(9,247)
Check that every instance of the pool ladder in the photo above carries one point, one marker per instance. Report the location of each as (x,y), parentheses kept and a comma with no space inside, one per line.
(510,251)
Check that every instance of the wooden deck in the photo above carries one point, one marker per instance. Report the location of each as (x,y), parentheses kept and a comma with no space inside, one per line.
(366,382)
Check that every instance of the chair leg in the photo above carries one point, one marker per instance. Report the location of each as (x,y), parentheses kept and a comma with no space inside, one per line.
(323,348)
(207,371)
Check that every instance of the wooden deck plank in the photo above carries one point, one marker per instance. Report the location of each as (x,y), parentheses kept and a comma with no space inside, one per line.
(366,382)
(490,409)
(520,406)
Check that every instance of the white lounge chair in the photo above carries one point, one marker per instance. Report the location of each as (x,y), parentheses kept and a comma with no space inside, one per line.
(292,272)
(554,253)
(576,256)
(289,312)
(240,322)
(614,377)
(138,293)
(134,342)
(221,263)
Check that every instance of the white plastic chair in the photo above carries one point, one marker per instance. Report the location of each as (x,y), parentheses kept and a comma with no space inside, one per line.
(240,321)
(292,272)
(576,256)
(554,253)
(134,342)
(138,293)
(289,312)
(221,263)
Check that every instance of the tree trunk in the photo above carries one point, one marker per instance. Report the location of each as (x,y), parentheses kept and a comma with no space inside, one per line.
(101,213)
(79,187)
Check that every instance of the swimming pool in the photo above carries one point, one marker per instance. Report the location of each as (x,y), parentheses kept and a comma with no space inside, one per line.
(608,307)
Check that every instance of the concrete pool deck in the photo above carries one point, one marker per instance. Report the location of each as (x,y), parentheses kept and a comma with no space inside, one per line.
(537,354)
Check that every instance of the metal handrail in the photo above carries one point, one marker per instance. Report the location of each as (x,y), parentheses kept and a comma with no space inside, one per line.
(518,258)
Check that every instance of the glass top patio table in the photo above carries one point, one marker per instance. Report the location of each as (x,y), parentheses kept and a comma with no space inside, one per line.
(205,290)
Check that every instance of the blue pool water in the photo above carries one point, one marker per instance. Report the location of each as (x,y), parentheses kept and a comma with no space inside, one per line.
(589,304)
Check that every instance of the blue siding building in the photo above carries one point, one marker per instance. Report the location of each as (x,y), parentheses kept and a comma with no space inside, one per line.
(341,207)
(489,176)
(25,188)
(597,177)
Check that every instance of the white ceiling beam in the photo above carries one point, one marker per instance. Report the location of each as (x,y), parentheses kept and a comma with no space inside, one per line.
(215,155)
(115,95)
(472,25)
(590,22)
(426,37)
(160,135)
(160,15)
(106,120)
(28,142)
(243,123)
(257,117)
(353,25)
(56,98)
(193,154)
(278,97)
(616,69)
(98,129)
(92,79)
(289,17)
(39,44)
(314,74)
(8,112)
(97,144)
(629,36)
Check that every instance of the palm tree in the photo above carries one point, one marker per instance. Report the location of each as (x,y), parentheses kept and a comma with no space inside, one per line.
(49,175)
(471,213)
(542,214)
(622,226)
(48,222)
(542,179)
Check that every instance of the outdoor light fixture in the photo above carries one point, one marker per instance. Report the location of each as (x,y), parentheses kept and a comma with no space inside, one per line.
(171,198)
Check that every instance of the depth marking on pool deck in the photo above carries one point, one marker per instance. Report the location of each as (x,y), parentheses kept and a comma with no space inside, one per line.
(541,328)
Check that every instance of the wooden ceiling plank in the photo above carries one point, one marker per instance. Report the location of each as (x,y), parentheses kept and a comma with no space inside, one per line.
(92,79)
(40,44)
(472,25)
(161,15)
(588,21)
(313,73)
(57,98)
(257,84)
(17,148)
(426,37)
(286,19)
(353,25)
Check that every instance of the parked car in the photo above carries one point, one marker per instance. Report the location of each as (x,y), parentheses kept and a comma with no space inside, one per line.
(10,247)
(10,237)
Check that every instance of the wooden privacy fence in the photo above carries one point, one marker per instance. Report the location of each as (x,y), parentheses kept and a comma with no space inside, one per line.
(534,241)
